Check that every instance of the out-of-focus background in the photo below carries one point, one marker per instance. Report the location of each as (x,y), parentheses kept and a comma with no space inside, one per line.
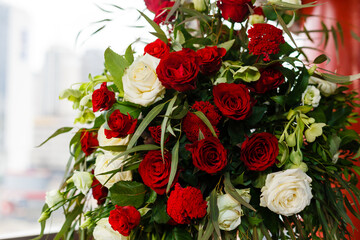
(39,57)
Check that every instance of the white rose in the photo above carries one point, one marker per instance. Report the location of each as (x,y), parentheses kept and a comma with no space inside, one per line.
(104,231)
(103,141)
(53,197)
(102,165)
(256,18)
(230,211)
(287,192)
(82,181)
(311,96)
(140,82)
(326,88)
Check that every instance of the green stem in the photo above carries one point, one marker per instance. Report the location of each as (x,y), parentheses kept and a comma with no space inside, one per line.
(231,30)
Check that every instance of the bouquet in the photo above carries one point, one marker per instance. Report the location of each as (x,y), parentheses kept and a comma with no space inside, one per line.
(221,128)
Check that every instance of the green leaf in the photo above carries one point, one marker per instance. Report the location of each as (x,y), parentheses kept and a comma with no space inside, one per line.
(152,197)
(165,121)
(174,165)
(320,59)
(179,234)
(227,45)
(128,193)
(129,55)
(256,116)
(340,79)
(56,133)
(116,65)
(69,218)
(159,213)
(214,212)
(355,36)
(173,10)
(160,33)
(202,116)
(42,224)
(285,28)
(208,231)
(144,147)
(128,108)
(115,148)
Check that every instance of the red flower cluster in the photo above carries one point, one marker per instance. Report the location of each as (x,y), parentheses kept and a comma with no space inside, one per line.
(124,219)
(236,10)
(264,40)
(102,98)
(154,5)
(162,12)
(99,191)
(259,151)
(178,70)
(259,11)
(155,171)
(88,141)
(210,111)
(208,155)
(185,204)
(210,59)
(233,100)
(120,124)
(158,49)
(155,132)
(270,79)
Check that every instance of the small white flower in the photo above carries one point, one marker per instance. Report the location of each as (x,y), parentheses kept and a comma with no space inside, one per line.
(104,231)
(311,96)
(104,141)
(82,181)
(140,82)
(326,88)
(53,197)
(286,192)
(314,131)
(256,18)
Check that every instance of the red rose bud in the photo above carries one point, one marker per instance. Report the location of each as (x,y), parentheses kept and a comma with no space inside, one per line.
(157,49)
(102,98)
(88,141)
(259,151)
(162,12)
(155,171)
(270,79)
(210,59)
(265,40)
(236,10)
(192,125)
(99,192)
(233,100)
(259,11)
(120,125)
(178,70)
(124,219)
(208,155)
(155,133)
(154,5)
(185,204)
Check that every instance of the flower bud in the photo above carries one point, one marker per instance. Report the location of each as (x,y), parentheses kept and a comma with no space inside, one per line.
(312,70)
(291,140)
(82,181)
(255,18)
(296,157)
(53,197)
(87,223)
(44,215)
(200,5)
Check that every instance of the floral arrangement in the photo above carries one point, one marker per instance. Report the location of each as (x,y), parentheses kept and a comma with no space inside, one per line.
(221,128)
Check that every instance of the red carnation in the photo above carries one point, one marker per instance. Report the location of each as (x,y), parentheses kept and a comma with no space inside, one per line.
(259,11)
(210,111)
(158,49)
(162,12)
(99,191)
(259,151)
(192,125)
(208,155)
(155,132)
(120,125)
(210,59)
(236,10)
(102,98)
(154,5)
(265,39)
(178,70)
(88,141)
(270,79)
(155,171)
(124,219)
(185,204)
(233,100)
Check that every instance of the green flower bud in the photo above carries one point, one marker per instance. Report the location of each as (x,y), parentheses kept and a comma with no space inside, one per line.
(291,140)
(87,223)
(200,5)
(296,157)
(312,70)
(44,215)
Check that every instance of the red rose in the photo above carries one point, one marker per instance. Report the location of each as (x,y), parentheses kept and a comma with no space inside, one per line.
(185,204)
(155,171)
(208,155)
(158,49)
(102,98)
(154,5)
(236,10)
(120,125)
(270,79)
(192,124)
(259,151)
(99,191)
(155,132)
(264,40)
(88,141)
(233,100)
(178,70)
(210,59)
(162,12)
(124,219)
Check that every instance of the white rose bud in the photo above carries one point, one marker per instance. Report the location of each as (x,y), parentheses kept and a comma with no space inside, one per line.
(53,197)
(104,231)
(230,211)
(104,141)
(82,181)
(199,5)
(102,165)
(256,18)
(326,88)
(140,82)
(286,192)
(311,96)
(314,131)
